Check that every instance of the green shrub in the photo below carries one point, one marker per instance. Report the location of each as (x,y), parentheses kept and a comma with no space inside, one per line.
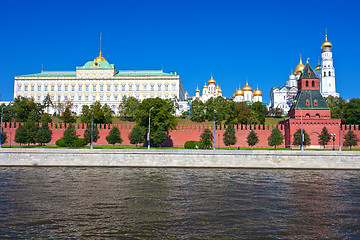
(60,143)
(191,144)
(80,142)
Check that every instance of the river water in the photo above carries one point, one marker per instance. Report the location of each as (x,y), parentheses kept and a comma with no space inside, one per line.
(149,203)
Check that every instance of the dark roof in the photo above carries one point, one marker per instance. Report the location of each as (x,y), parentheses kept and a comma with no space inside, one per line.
(309,99)
(308,72)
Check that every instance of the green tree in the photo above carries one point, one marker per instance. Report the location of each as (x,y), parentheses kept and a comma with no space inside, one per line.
(8,112)
(45,118)
(87,134)
(242,114)
(258,110)
(44,134)
(114,136)
(47,102)
(229,137)
(297,138)
(100,114)
(351,139)
(3,137)
(26,109)
(70,137)
(161,115)
(21,135)
(352,112)
(252,139)
(324,137)
(197,113)
(67,116)
(276,138)
(206,138)
(136,136)
(128,108)
(336,105)
(159,137)
(26,133)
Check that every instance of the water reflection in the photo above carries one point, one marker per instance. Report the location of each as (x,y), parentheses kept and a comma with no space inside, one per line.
(178,203)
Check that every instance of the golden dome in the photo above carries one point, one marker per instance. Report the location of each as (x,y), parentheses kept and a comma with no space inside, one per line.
(217,87)
(100,58)
(233,96)
(205,86)
(211,81)
(257,92)
(247,87)
(317,68)
(299,68)
(239,92)
(326,44)
(220,91)
(197,90)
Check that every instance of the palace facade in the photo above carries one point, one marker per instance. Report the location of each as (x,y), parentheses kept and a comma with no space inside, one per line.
(98,80)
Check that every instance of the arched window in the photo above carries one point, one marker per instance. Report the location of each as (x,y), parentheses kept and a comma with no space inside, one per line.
(324,74)
(307,115)
(329,74)
(313,84)
(317,115)
(307,83)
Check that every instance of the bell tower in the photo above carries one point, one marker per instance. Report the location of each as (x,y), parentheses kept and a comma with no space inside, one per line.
(327,83)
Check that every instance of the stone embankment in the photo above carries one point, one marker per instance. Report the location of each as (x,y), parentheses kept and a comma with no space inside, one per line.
(180,158)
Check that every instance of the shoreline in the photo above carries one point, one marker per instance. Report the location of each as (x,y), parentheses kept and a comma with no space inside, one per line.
(179,158)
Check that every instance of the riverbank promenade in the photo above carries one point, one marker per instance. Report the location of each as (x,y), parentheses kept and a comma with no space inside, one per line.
(180,158)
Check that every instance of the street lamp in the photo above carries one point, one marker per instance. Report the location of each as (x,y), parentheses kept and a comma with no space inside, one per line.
(148,136)
(340,132)
(302,135)
(333,137)
(2,113)
(214,131)
(92,131)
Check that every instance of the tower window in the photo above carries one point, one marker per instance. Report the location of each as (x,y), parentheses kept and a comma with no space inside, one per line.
(324,74)
(313,84)
(307,83)
(329,73)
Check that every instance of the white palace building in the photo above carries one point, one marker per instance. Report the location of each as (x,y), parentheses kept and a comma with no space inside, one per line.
(99,80)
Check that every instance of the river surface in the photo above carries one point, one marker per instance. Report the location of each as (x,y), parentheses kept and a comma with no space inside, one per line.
(149,203)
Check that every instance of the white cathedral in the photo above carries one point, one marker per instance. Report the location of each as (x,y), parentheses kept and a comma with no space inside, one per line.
(282,97)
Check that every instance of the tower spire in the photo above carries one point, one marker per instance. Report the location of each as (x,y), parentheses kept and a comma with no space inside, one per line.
(100,41)
(325,34)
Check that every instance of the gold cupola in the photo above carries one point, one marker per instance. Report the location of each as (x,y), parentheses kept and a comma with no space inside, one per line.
(100,58)
(211,81)
(239,92)
(299,68)
(205,86)
(257,92)
(197,90)
(317,68)
(247,87)
(217,87)
(326,44)
(220,91)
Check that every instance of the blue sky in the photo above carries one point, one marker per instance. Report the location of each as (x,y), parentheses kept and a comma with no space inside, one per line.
(235,40)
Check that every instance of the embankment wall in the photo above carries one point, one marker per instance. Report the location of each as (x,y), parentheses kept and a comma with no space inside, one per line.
(180,158)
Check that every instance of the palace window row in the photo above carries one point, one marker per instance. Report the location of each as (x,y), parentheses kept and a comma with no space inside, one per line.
(65,87)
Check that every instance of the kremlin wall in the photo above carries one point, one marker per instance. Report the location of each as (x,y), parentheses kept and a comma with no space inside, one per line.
(181,134)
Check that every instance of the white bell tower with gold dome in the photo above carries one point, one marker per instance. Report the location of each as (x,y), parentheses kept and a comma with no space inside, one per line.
(327,81)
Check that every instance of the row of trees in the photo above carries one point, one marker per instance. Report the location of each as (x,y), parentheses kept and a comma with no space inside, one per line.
(276,138)
(348,112)
(219,109)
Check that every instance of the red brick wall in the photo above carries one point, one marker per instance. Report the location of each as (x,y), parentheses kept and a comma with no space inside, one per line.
(181,134)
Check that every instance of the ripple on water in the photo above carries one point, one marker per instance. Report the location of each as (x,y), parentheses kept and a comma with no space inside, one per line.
(178,203)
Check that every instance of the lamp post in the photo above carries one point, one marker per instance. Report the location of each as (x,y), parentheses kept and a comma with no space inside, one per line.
(2,113)
(333,137)
(92,131)
(302,135)
(148,136)
(340,132)
(214,131)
